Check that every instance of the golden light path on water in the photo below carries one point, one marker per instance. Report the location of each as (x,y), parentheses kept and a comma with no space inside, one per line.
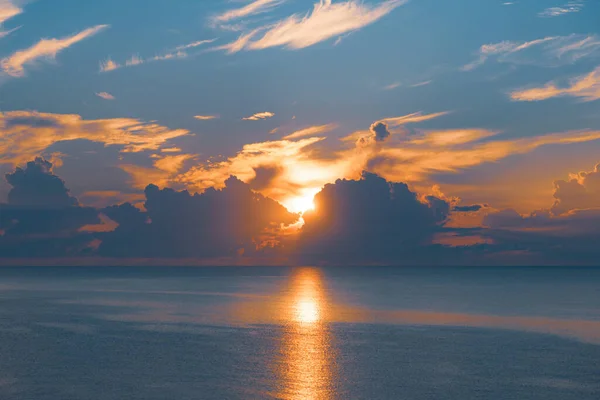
(306,355)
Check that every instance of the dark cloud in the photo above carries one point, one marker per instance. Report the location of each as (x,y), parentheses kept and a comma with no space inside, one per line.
(31,121)
(380,131)
(265,175)
(179,224)
(36,186)
(41,218)
(369,219)
(471,208)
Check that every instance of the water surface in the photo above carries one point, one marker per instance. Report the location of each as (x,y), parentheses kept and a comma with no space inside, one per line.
(299,333)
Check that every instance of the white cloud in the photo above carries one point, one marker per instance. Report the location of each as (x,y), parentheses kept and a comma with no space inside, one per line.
(45,48)
(326,20)
(105,95)
(570,7)
(194,44)
(169,56)
(421,84)
(392,86)
(256,7)
(259,116)
(134,60)
(586,87)
(548,51)
(108,65)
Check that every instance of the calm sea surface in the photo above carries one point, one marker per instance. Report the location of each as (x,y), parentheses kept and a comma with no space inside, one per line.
(299,333)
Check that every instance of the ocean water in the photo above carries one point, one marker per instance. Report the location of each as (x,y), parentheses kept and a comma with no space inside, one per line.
(299,333)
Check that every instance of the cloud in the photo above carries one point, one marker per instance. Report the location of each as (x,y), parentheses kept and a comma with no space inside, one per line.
(586,87)
(380,131)
(27,134)
(580,192)
(413,118)
(169,56)
(392,86)
(46,48)
(39,211)
(570,7)
(259,116)
(36,186)
(205,117)
(425,83)
(300,172)
(108,65)
(304,165)
(253,8)
(194,44)
(311,131)
(226,222)
(7,11)
(171,150)
(134,60)
(369,218)
(414,158)
(550,51)
(327,20)
(105,96)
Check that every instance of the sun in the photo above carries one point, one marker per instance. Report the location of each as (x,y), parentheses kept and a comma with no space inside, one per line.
(301,203)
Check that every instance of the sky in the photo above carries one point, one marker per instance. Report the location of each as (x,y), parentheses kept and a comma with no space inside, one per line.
(300,132)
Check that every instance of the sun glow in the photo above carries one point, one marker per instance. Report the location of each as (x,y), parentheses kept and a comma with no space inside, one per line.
(303,202)
(307,311)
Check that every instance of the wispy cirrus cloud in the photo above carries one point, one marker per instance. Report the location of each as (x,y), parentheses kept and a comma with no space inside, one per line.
(310,131)
(586,87)
(7,11)
(259,116)
(178,52)
(194,44)
(105,95)
(327,20)
(392,86)
(548,51)
(570,7)
(46,48)
(25,135)
(134,60)
(253,8)
(205,117)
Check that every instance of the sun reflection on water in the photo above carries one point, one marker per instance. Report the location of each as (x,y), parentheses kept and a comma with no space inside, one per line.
(306,355)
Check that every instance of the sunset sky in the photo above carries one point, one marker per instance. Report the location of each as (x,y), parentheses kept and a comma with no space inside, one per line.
(430,131)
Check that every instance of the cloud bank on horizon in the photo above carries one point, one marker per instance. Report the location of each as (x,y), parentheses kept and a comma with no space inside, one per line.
(346,131)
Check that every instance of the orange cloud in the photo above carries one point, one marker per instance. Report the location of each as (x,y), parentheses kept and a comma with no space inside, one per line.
(586,87)
(45,48)
(7,11)
(310,131)
(108,65)
(26,134)
(259,116)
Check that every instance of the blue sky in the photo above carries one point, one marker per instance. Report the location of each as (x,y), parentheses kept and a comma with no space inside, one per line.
(486,101)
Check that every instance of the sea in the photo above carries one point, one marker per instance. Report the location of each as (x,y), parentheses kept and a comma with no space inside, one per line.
(128,333)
